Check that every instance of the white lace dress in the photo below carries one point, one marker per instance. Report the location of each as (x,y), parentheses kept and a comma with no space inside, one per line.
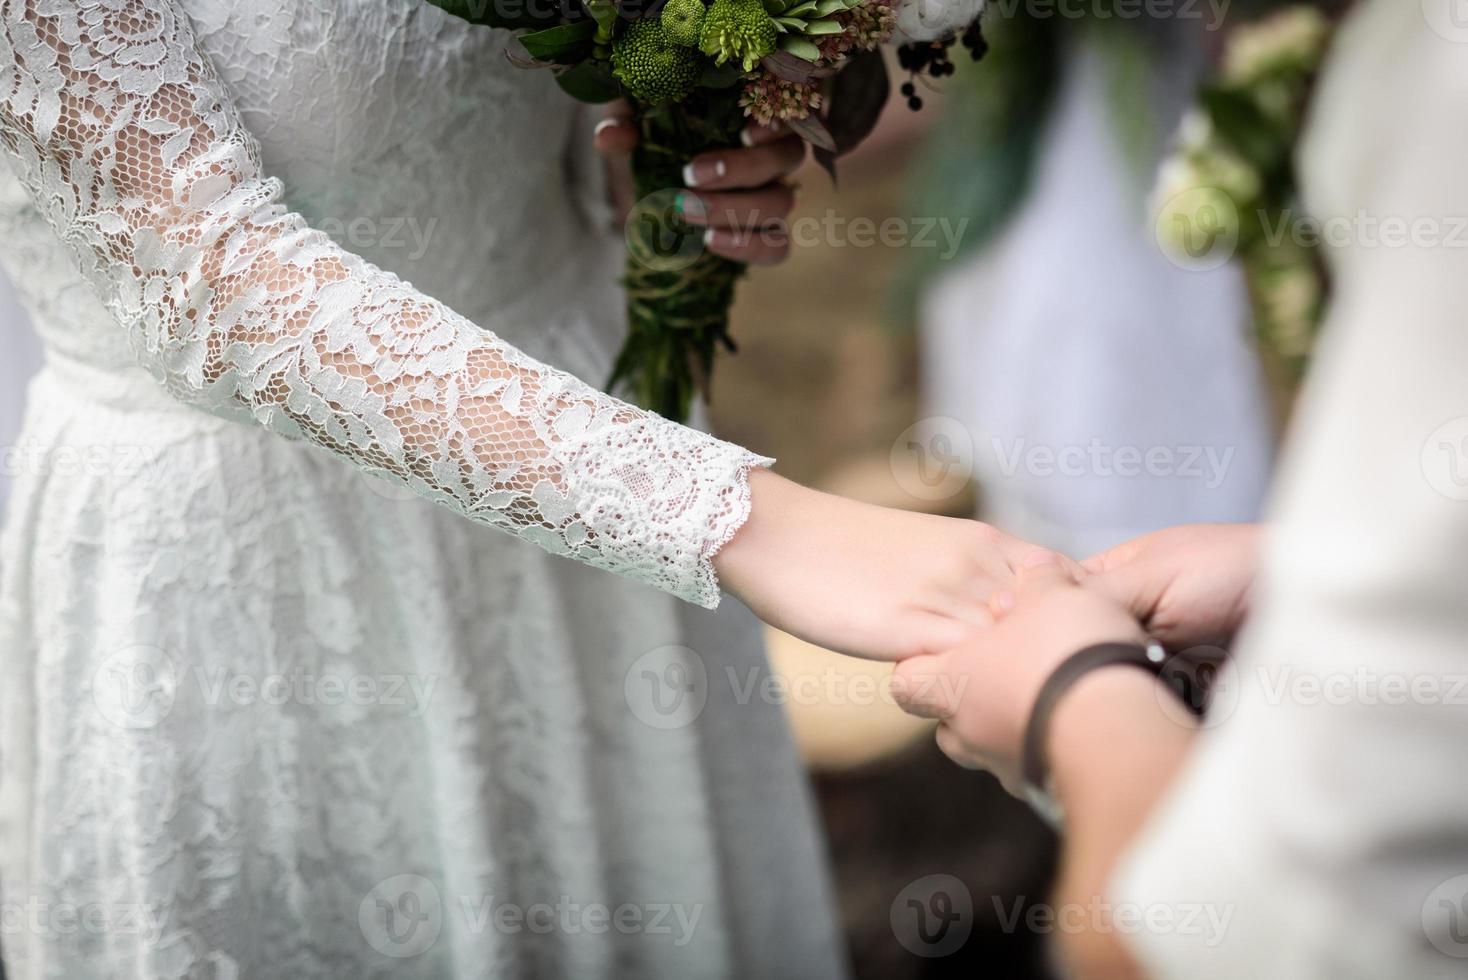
(267,710)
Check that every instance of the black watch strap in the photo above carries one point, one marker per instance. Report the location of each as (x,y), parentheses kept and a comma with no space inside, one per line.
(1035,765)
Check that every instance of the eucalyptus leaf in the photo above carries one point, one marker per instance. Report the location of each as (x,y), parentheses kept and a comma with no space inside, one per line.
(590,81)
(791,68)
(566,44)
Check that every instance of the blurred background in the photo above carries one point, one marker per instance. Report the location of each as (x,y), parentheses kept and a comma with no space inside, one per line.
(979,322)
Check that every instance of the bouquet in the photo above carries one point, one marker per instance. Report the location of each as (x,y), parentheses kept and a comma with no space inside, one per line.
(1229,190)
(695,73)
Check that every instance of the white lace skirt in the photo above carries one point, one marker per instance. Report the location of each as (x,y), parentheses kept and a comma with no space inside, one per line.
(266,717)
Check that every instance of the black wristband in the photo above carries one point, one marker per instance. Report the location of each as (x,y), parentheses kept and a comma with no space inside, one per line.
(1034,765)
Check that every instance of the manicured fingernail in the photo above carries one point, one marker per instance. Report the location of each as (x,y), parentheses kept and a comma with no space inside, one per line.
(1040,559)
(605,125)
(690,206)
(700,172)
(746,137)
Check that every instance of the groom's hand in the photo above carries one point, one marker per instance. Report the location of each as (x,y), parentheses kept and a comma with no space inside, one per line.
(740,195)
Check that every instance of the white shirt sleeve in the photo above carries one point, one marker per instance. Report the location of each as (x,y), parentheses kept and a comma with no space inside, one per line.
(1321,830)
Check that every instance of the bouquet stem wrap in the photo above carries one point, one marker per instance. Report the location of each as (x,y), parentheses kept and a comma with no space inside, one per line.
(678,293)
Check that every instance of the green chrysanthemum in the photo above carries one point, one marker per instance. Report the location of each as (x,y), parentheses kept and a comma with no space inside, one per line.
(682,20)
(654,67)
(737,30)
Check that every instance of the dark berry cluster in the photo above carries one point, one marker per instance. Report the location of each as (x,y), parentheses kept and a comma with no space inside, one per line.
(935,59)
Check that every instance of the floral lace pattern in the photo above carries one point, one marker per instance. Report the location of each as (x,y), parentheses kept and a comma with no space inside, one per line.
(129,143)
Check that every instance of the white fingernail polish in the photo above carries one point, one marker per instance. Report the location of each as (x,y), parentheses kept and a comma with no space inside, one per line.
(688,178)
(746,137)
(605,124)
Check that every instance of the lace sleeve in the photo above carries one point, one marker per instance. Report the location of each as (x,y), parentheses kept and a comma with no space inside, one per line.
(127,140)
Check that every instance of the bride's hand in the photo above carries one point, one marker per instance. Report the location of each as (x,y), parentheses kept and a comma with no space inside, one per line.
(865,580)
(739,195)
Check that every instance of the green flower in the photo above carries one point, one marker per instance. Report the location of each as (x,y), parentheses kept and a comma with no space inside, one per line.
(737,30)
(653,66)
(682,20)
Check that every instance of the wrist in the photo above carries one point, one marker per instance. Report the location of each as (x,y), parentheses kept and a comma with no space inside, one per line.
(1111,721)
(743,560)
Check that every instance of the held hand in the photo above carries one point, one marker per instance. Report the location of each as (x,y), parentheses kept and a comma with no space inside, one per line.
(1189,586)
(739,195)
(864,580)
(982,691)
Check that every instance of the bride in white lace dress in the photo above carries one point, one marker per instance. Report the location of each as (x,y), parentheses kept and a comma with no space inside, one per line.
(267,711)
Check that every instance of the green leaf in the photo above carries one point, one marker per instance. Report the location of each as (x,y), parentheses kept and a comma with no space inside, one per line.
(566,44)
(828,7)
(590,81)
(801,48)
(508,14)
(784,24)
(821,28)
(809,7)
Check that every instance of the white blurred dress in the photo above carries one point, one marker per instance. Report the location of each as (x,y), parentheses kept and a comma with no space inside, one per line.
(267,710)
(1108,392)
